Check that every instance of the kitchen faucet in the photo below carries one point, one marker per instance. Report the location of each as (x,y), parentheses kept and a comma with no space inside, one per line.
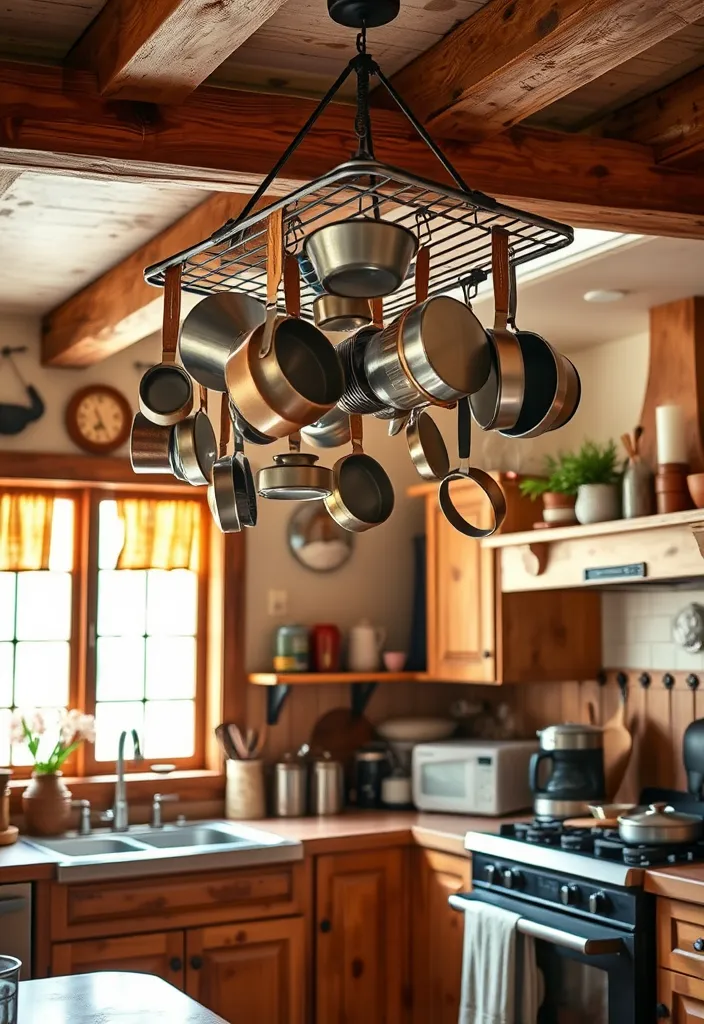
(120,811)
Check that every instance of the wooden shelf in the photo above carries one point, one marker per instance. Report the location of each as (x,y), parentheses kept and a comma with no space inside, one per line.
(288,678)
(549,536)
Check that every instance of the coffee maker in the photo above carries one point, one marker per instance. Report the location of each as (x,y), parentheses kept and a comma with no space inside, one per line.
(576,777)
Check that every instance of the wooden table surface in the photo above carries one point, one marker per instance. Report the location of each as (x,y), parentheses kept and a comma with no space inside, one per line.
(108,996)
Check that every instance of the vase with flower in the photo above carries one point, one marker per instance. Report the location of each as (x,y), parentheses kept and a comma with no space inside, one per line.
(46,802)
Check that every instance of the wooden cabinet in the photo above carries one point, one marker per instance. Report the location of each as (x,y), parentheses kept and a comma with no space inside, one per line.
(476,633)
(680,998)
(437,935)
(361,959)
(161,954)
(254,971)
(681,937)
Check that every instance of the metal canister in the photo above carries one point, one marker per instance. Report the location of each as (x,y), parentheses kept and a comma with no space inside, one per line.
(638,490)
(290,787)
(372,765)
(326,786)
(292,649)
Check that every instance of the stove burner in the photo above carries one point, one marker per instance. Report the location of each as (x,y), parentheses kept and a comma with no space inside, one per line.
(578,840)
(544,834)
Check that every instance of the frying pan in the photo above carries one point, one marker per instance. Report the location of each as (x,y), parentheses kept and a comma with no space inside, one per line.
(546,379)
(485,482)
(497,405)
(426,447)
(193,446)
(166,390)
(231,495)
(362,495)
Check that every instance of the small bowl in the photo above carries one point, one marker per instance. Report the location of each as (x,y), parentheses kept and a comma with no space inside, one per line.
(695,482)
(394,660)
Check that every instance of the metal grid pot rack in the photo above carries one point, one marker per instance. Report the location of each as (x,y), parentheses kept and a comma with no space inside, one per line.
(455,222)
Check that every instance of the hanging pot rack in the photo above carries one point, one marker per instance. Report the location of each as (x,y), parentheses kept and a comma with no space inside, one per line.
(454,221)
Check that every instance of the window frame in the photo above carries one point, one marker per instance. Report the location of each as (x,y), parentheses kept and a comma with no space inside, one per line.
(89,480)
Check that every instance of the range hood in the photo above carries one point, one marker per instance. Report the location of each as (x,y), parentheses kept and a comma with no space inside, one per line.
(655,549)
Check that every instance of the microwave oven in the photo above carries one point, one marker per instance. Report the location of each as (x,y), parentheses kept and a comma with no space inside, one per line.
(473,776)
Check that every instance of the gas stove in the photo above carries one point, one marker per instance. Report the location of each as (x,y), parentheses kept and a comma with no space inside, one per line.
(597,854)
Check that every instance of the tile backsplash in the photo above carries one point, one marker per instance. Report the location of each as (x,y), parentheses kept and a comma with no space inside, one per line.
(637,629)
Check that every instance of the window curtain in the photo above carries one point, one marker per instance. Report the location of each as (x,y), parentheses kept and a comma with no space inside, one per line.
(25,531)
(159,534)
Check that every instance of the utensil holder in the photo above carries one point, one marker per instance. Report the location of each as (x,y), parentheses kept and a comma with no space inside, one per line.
(10,968)
(671,490)
(244,790)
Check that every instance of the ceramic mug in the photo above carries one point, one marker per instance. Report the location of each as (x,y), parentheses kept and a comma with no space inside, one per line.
(365,644)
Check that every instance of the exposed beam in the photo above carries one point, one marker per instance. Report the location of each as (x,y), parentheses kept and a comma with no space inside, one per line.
(160,50)
(224,140)
(120,308)
(671,120)
(515,57)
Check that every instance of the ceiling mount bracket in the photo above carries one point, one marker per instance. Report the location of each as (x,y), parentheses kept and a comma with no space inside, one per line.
(360,695)
(275,699)
(363,13)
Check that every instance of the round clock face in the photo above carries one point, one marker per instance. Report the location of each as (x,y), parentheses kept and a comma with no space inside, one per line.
(98,419)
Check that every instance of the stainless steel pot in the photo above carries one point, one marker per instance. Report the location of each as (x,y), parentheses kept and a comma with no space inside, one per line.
(294,476)
(330,431)
(286,374)
(150,446)
(361,258)
(362,495)
(193,446)
(357,396)
(166,390)
(659,824)
(573,395)
(213,328)
(232,498)
(335,313)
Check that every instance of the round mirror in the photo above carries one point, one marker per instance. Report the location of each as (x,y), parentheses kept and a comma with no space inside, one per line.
(316,540)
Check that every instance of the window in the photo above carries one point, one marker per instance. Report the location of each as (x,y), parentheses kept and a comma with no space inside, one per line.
(125,644)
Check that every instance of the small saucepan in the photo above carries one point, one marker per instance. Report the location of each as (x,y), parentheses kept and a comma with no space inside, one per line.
(659,824)
(361,258)
(362,495)
(166,390)
(294,476)
(497,405)
(150,446)
(213,328)
(335,313)
(483,480)
(231,494)
(193,446)
(286,374)
(426,446)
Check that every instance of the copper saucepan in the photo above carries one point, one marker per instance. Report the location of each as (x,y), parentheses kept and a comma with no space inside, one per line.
(362,495)
(286,374)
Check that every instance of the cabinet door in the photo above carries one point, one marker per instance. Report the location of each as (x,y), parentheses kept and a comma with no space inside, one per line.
(680,998)
(361,937)
(461,598)
(160,954)
(250,972)
(437,935)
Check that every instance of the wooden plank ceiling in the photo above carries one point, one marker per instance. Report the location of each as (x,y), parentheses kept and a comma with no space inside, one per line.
(617,81)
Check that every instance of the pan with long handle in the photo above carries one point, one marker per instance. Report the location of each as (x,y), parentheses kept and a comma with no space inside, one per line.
(464,472)
(166,390)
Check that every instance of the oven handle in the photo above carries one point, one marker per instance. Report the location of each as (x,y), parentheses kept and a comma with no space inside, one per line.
(11,904)
(575,943)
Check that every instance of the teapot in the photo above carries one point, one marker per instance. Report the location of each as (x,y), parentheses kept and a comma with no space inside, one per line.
(364,648)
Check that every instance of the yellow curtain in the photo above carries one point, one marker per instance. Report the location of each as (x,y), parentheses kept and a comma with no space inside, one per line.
(25,531)
(159,534)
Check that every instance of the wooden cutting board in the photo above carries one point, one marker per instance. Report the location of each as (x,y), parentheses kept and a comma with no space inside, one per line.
(618,744)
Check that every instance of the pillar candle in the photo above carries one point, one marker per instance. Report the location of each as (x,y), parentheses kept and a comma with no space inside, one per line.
(669,427)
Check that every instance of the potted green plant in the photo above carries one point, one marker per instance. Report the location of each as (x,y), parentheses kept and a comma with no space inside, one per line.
(46,802)
(596,468)
(557,488)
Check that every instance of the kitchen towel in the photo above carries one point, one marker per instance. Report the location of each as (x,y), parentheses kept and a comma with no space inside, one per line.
(499,972)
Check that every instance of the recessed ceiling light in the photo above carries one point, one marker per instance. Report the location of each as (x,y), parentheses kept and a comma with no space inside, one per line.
(604,295)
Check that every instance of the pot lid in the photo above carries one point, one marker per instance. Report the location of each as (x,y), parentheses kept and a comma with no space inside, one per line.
(661,815)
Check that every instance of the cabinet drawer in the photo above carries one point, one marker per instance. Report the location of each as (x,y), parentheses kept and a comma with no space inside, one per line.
(680,925)
(680,998)
(139,905)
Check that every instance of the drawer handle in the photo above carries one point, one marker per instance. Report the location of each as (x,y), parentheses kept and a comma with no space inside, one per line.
(176,963)
(325,925)
(699,945)
(196,962)
(662,1012)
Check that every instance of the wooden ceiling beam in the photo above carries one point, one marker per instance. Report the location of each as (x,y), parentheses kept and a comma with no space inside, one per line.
(120,308)
(225,140)
(515,57)
(161,50)
(670,120)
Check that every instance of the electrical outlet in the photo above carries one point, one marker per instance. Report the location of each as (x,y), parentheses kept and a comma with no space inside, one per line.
(278,602)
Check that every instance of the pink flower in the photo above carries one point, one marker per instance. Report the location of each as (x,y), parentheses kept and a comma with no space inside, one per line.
(74,725)
(37,724)
(16,729)
(86,729)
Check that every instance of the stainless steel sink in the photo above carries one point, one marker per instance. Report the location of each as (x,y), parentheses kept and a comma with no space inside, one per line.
(164,851)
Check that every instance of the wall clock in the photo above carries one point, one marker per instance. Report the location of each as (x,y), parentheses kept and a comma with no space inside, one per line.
(98,419)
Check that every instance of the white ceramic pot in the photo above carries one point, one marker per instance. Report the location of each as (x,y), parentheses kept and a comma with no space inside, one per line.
(364,649)
(597,503)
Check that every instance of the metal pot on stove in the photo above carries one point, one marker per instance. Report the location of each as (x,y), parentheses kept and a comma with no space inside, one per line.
(576,776)
(658,825)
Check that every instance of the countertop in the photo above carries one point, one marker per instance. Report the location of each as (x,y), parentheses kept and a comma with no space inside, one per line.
(109,996)
(23,863)
(677,883)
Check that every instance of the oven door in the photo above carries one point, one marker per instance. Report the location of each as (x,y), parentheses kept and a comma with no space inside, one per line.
(589,970)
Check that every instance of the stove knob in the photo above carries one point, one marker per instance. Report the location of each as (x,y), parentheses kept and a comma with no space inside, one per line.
(569,895)
(513,879)
(598,903)
(491,874)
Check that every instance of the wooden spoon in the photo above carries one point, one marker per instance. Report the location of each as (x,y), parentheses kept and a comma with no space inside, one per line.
(618,744)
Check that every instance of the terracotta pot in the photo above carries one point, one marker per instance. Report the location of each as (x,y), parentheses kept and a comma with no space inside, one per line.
(558,509)
(551,499)
(46,803)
